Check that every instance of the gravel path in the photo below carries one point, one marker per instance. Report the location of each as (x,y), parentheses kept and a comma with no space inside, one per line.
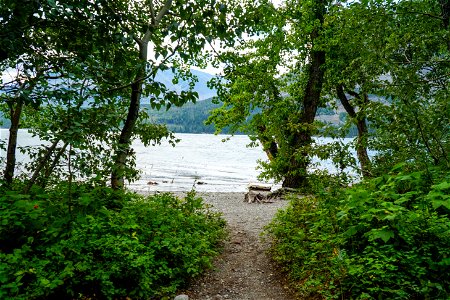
(243,271)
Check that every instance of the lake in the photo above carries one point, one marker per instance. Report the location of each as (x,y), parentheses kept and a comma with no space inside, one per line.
(198,158)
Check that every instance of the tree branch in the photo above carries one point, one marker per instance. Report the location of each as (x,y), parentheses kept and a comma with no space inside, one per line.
(418,13)
(352,93)
(344,100)
(156,20)
(163,11)
(152,13)
(174,50)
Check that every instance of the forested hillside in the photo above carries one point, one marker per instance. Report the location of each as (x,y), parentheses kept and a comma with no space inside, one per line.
(190,118)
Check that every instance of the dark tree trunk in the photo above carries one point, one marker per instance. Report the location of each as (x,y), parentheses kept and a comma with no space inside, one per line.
(123,147)
(296,180)
(361,150)
(296,176)
(3,55)
(445,14)
(267,140)
(15,113)
(360,121)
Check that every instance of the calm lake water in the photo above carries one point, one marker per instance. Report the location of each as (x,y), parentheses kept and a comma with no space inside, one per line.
(221,166)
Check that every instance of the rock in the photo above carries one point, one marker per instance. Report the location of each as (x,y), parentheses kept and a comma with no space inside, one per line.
(152,183)
(201,182)
(181,297)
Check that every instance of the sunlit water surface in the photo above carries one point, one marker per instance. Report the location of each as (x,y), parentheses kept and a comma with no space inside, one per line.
(201,161)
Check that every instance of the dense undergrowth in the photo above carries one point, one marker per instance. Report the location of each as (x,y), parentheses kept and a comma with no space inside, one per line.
(102,244)
(387,238)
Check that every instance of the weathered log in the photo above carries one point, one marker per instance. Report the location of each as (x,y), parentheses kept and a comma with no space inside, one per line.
(259,187)
(254,196)
(280,193)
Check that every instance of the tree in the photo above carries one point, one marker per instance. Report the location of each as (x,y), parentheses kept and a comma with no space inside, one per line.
(354,68)
(176,32)
(131,42)
(395,53)
(373,57)
(279,111)
(42,47)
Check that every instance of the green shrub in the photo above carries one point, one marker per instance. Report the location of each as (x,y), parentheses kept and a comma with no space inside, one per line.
(305,244)
(103,244)
(385,239)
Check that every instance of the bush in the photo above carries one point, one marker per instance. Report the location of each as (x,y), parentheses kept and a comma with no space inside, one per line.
(103,244)
(384,239)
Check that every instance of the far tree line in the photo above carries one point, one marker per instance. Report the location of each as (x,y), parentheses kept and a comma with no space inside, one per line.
(191,117)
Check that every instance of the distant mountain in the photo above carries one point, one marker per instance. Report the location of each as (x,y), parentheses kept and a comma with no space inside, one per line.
(204,92)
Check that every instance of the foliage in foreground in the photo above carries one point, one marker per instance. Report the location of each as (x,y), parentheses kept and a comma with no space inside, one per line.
(388,238)
(102,244)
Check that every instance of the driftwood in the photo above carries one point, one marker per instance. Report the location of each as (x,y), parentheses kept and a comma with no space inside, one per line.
(254,196)
(280,193)
(257,193)
(260,193)
(259,187)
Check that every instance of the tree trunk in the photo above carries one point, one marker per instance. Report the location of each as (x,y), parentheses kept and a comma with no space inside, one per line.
(360,121)
(297,174)
(268,143)
(445,13)
(123,147)
(40,166)
(361,150)
(295,181)
(15,113)
(56,160)
(363,133)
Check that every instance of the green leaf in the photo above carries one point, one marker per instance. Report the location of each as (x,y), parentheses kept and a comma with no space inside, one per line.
(442,186)
(351,231)
(384,234)
(438,203)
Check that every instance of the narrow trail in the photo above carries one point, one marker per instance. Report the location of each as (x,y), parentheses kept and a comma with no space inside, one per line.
(244,270)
